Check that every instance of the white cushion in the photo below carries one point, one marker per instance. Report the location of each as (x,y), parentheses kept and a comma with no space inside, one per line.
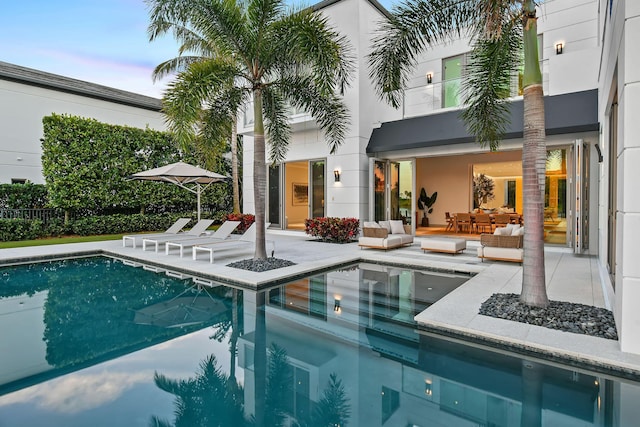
(385,224)
(370,224)
(515,230)
(396,227)
(510,227)
(520,232)
(502,231)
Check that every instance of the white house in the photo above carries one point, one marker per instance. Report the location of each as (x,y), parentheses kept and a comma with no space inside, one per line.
(28,95)
(588,58)
(592,95)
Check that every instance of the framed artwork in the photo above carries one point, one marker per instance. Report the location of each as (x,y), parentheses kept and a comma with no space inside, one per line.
(300,194)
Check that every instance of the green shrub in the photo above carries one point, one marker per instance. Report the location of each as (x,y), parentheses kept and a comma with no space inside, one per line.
(331,229)
(23,196)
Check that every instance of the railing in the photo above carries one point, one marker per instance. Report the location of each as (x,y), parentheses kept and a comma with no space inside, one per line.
(429,98)
(44,215)
(248,113)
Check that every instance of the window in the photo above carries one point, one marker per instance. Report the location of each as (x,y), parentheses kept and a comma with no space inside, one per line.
(18,181)
(453,71)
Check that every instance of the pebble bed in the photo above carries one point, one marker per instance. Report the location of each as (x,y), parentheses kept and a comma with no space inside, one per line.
(259,265)
(564,316)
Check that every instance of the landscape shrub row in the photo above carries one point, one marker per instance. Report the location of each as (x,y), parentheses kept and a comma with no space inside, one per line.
(20,229)
(332,229)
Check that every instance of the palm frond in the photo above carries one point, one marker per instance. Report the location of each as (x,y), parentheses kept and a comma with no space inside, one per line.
(277,127)
(328,109)
(486,84)
(183,99)
(307,40)
(415,25)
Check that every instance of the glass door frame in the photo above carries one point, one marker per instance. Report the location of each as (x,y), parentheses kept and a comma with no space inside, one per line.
(387,188)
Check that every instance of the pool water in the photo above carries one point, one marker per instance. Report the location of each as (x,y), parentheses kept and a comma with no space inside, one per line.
(95,342)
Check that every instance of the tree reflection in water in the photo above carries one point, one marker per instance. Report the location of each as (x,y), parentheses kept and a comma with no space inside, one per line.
(213,399)
(206,400)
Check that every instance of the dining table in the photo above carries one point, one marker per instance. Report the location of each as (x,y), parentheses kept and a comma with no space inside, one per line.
(514,218)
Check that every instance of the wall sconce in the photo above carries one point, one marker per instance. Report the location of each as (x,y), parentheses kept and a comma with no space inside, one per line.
(429,78)
(336,306)
(559,47)
(427,388)
(336,175)
(600,158)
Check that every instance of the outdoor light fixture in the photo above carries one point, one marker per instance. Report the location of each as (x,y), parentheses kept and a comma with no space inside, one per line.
(559,47)
(429,78)
(427,388)
(336,175)
(336,306)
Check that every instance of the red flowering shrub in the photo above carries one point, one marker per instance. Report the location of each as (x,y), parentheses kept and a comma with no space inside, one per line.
(339,230)
(245,221)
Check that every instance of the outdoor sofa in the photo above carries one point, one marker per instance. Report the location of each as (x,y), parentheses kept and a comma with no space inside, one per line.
(385,235)
(506,244)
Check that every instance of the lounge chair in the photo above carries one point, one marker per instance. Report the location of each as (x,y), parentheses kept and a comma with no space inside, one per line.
(171,231)
(196,231)
(249,237)
(222,233)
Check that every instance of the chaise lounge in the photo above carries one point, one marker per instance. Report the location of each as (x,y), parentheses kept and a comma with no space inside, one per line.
(171,231)
(196,231)
(385,235)
(220,235)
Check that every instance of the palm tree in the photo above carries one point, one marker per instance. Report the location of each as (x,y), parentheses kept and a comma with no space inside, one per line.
(258,51)
(499,29)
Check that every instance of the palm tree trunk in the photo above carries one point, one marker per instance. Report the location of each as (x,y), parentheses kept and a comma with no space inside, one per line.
(234,165)
(259,176)
(534,154)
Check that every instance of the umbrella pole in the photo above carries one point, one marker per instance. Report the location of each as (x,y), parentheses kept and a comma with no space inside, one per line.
(198,192)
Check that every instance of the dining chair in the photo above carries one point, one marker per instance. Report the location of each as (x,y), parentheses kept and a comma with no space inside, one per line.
(464,221)
(450,221)
(501,220)
(483,221)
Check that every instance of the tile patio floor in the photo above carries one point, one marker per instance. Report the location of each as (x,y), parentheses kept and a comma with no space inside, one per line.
(569,277)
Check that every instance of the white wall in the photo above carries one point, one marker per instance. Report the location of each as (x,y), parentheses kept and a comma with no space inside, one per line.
(619,71)
(22,108)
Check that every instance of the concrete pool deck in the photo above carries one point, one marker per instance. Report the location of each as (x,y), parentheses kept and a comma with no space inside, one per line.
(570,277)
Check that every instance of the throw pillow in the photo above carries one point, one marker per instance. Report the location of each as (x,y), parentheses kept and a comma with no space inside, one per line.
(502,231)
(385,224)
(515,230)
(396,227)
(370,224)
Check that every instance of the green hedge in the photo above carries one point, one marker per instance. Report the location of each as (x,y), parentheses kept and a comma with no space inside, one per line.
(23,196)
(20,229)
(86,164)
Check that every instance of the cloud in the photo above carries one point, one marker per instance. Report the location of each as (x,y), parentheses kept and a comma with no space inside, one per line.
(77,393)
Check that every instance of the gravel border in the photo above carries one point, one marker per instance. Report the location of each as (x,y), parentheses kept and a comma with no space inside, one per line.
(564,316)
(260,265)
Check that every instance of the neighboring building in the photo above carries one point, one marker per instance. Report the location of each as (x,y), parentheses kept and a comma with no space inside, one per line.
(27,95)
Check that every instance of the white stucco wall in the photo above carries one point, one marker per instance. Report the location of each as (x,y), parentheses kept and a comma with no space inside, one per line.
(22,108)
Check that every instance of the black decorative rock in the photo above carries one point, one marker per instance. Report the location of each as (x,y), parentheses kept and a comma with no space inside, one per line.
(259,265)
(564,316)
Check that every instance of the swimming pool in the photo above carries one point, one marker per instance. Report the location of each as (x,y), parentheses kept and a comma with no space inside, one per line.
(95,342)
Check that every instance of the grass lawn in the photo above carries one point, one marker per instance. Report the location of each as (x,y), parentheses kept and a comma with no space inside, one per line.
(70,239)
(59,240)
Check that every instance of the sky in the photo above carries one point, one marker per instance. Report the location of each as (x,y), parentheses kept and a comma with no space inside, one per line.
(103,42)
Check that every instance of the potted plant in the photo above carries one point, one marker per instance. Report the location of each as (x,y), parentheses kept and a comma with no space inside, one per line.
(482,190)
(425,204)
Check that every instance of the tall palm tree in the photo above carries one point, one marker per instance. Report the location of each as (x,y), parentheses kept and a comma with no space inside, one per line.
(260,51)
(499,29)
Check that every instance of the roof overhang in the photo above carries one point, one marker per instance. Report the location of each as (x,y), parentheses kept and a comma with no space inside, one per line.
(568,113)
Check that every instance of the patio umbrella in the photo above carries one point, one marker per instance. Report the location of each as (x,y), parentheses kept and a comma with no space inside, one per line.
(180,312)
(189,177)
